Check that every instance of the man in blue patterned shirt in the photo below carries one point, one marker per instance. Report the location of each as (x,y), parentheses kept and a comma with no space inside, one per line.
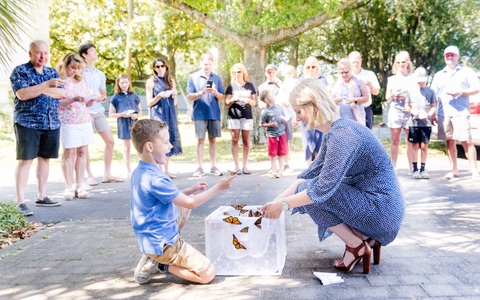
(37,89)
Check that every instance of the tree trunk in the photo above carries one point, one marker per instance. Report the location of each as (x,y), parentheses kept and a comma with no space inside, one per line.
(254,59)
(222,58)
(293,52)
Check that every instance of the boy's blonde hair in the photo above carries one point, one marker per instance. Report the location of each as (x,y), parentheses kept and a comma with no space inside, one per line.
(314,97)
(264,95)
(144,131)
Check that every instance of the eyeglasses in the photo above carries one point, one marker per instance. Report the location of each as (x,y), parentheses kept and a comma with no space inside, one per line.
(159,66)
(344,72)
(310,67)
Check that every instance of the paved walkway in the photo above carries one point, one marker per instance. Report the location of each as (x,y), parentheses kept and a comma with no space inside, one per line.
(436,254)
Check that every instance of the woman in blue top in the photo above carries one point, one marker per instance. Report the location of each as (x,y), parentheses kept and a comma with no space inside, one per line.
(161,97)
(311,139)
(125,107)
(350,189)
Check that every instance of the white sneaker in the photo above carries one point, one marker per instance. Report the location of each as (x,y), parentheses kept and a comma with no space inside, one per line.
(416,175)
(145,269)
(424,175)
(410,172)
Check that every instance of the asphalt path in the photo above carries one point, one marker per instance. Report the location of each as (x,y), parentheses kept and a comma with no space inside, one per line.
(112,200)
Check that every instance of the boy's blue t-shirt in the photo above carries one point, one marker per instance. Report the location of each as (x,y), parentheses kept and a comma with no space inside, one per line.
(271,114)
(152,211)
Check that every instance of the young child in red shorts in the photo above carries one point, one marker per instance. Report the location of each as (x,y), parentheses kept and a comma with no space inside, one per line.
(273,119)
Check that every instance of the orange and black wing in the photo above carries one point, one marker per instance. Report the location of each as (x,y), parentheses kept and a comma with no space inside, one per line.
(226,213)
(239,207)
(237,244)
(258,223)
(234,172)
(250,214)
(258,214)
(233,220)
(243,211)
(244,229)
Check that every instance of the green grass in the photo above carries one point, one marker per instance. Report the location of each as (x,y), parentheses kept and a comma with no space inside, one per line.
(11,219)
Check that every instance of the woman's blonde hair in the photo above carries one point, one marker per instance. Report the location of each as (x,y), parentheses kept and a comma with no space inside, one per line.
(314,97)
(314,60)
(344,63)
(70,59)
(398,58)
(243,70)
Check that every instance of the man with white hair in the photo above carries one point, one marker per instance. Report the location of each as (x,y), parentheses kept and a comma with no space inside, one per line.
(37,89)
(370,79)
(453,86)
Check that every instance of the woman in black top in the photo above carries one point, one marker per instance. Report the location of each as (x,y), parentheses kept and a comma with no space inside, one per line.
(240,99)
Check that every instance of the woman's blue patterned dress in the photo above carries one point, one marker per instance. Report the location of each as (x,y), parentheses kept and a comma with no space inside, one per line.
(164,110)
(353,181)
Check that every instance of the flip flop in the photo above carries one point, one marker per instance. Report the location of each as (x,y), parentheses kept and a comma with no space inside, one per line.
(92,182)
(278,175)
(476,178)
(114,179)
(450,175)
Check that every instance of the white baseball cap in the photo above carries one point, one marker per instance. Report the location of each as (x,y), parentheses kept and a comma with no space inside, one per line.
(451,49)
(420,74)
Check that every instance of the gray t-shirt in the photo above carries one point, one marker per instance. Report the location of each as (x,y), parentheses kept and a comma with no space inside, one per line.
(420,100)
(271,114)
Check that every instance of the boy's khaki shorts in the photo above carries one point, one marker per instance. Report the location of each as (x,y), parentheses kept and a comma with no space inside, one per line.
(183,255)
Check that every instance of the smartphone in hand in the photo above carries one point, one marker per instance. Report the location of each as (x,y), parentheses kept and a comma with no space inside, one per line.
(209,84)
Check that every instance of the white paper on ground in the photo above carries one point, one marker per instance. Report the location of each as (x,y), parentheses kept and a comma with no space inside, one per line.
(328,278)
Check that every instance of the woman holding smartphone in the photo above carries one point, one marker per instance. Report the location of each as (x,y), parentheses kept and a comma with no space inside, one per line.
(161,97)
(240,99)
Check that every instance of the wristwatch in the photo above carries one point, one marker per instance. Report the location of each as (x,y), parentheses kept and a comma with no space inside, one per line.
(356,100)
(285,204)
(460,94)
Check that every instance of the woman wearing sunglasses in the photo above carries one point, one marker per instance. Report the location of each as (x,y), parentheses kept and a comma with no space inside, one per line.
(161,97)
(349,93)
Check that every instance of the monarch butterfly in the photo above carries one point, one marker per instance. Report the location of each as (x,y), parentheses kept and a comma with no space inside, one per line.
(233,220)
(250,214)
(237,244)
(234,172)
(239,207)
(257,187)
(244,229)
(243,211)
(258,222)
(258,214)
(226,213)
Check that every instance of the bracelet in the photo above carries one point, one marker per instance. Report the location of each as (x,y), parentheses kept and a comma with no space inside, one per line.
(355,100)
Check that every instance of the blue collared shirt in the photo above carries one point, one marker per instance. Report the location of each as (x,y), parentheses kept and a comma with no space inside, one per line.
(152,211)
(40,112)
(96,82)
(272,114)
(447,81)
(206,107)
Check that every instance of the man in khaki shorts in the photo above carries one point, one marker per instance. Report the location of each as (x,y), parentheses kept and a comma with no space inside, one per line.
(453,86)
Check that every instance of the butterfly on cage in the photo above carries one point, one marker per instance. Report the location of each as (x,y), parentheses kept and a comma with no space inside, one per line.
(226,213)
(233,220)
(258,223)
(239,207)
(257,187)
(244,230)
(237,244)
(243,211)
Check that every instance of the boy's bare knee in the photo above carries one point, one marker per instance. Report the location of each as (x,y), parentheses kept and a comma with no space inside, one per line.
(208,275)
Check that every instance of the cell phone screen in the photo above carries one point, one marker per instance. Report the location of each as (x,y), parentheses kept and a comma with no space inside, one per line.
(209,84)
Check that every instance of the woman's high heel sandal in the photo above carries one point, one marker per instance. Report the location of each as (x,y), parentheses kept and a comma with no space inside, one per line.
(377,248)
(366,258)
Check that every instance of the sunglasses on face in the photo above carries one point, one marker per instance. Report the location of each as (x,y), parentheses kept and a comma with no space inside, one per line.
(401,62)
(160,66)
(236,72)
(310,67)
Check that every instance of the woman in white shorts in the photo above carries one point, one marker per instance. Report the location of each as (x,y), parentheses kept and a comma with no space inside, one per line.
(76,131)
(240,99)
(397,87)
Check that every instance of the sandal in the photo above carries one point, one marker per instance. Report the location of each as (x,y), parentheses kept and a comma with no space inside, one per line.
(278,175)
(377,248)
(170,175)
(450,175)
(81,193)
(91,181)
(366,258)
(272,176)
(68,194)
(246,171)
(113,179)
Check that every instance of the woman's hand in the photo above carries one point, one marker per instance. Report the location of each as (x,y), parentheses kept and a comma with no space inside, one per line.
(134,116)
(337,100)
(351,100)
(163,94)
(272,209)
(174,93)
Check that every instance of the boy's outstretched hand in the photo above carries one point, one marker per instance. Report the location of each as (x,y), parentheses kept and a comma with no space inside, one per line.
(199,186)
(226,182)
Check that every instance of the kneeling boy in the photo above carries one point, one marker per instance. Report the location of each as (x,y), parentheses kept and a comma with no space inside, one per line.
(154,215)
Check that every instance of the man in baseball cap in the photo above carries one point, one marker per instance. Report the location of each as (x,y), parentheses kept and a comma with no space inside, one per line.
(453,86)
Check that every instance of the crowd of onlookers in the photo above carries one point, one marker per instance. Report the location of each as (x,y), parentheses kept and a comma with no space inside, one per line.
(65,105)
